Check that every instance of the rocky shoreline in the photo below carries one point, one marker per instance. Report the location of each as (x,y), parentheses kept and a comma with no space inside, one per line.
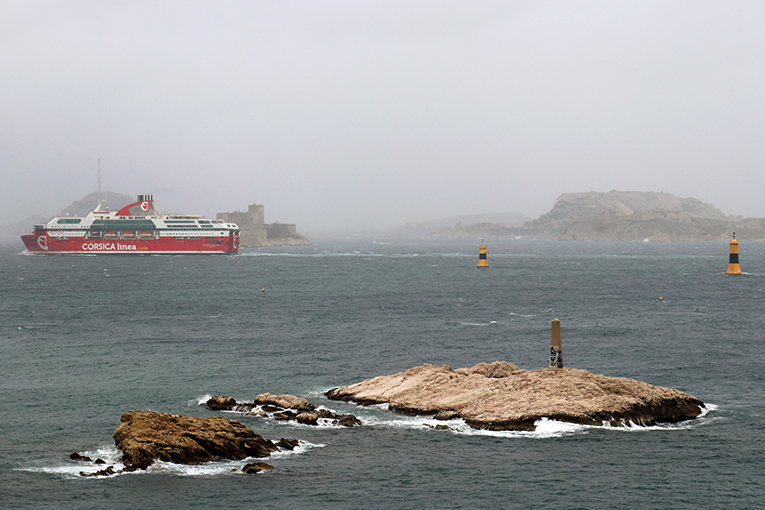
(500,396)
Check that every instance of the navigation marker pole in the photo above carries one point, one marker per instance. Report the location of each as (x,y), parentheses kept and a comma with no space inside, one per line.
(733,267)
(482,261)
(556,346)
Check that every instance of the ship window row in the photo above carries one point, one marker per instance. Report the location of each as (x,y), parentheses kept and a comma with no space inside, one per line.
(173,225)
(200,231)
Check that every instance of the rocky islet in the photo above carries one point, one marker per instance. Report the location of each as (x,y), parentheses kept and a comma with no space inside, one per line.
(497,396)
(500,396)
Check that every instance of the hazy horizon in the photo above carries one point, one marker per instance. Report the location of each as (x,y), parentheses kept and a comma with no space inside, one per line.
(347,115)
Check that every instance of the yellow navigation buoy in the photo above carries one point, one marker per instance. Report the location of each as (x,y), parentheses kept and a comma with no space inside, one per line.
(733,267)
(556,345)
(482,261)
(262,290)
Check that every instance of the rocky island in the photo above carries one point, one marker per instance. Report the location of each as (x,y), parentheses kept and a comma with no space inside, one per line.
(500,396)
(637,216)
(612,216)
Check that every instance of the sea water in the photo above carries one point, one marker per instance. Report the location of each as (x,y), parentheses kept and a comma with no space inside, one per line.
(87,338)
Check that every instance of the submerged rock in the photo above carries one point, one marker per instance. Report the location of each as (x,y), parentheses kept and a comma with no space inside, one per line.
(256,467)
(109,471)
(146,436)
(283,408)
(287,444)
(438,427)
(500,396)
(81,458)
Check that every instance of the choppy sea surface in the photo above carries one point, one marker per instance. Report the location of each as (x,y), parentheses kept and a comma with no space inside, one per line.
(87,338)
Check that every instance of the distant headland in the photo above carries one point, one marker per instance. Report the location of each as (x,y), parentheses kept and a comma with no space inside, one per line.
(612,216)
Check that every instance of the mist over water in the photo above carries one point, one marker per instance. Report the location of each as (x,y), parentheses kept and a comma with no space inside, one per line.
(87,338)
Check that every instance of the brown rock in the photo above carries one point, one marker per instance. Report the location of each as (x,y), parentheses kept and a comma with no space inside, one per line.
(307,418)
(256,467)
(285,401)
(221,403)
(325,413)
(447,415)
(500,396)
(146,436)
(285,415)
(81,458)
(346,420)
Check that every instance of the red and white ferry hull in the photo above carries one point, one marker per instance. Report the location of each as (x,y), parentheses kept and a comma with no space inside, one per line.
(42,243)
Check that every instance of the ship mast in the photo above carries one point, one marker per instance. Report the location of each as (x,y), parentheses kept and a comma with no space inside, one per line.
(99,175)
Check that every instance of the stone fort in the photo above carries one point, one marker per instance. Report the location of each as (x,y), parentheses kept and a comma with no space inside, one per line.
(254,231)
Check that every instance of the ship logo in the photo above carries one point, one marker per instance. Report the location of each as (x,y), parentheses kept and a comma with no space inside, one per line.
(42,242)
(144,206)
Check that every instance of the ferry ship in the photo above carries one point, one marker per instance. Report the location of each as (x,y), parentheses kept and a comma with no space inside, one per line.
(136,229)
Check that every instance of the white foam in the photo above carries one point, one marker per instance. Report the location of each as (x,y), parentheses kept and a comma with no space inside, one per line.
(378,416)
(301,448)
(478,323)
(112,457)
(544,428)
(109,454)
(200,401)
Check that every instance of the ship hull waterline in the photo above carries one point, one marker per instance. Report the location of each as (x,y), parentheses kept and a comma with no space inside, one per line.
(43,245)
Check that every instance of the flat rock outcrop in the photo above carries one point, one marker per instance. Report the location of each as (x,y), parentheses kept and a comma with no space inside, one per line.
(146,436)
(500,396)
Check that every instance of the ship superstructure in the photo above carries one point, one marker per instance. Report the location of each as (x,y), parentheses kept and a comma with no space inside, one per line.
(137,228)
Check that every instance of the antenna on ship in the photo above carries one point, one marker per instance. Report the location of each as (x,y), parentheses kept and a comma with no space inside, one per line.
(99,175)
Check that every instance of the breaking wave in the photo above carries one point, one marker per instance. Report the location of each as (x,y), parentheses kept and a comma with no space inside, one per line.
(112,457)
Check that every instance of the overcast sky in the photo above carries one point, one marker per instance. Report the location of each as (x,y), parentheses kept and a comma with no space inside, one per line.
(368,114)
